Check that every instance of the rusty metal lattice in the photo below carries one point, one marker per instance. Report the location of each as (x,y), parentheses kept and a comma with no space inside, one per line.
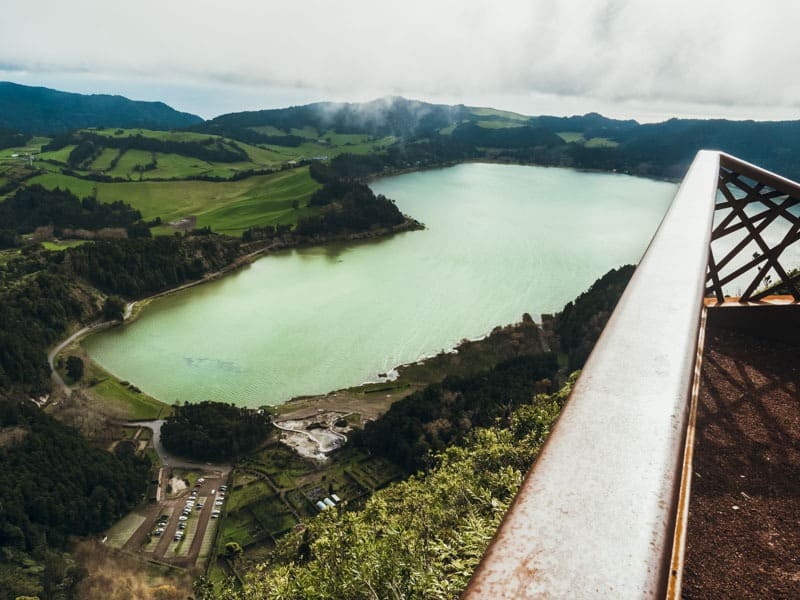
(755,206)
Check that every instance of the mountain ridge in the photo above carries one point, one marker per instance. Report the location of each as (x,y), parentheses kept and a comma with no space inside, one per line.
(41,110)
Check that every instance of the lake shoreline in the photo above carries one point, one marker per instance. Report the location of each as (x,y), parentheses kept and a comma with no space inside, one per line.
(135,308)
(496,161)
(296,371)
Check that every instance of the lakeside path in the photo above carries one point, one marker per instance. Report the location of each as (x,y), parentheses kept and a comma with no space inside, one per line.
(58,382)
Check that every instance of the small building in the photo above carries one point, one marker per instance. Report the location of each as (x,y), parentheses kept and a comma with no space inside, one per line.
(335,498)
(328,502)
(321,505)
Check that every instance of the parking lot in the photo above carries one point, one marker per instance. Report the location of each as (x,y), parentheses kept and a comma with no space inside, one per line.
(173,530)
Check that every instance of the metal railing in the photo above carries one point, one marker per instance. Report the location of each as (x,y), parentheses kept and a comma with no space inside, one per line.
(596,515)
(752,204)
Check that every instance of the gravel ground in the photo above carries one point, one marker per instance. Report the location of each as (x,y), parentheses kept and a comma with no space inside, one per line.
(744,515)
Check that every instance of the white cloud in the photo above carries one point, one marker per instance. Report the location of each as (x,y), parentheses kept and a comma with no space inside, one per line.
(678,53)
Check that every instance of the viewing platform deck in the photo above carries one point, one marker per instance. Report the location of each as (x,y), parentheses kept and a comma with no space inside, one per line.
(743,535)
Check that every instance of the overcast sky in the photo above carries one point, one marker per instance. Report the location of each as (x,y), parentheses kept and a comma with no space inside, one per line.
(625,58)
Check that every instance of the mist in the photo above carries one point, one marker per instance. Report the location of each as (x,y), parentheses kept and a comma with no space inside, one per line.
(617,57)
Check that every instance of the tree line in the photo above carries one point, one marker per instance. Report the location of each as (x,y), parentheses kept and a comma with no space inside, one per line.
(35,206)
(41,292)
(348,206)
(248,135)
(443,413)
(213,430)
(54,484)
(138,267)
(9,138)
(90,144)
(581,321)
(394,116)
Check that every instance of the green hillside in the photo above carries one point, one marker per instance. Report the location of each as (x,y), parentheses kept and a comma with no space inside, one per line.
(227,207)
(39,110)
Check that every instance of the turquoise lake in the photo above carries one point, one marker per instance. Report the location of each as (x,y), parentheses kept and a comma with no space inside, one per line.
(500,240)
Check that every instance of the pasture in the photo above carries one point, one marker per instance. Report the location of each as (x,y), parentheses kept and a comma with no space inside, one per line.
(227,207)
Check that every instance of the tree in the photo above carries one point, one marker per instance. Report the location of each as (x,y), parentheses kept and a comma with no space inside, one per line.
(75,367)
(232,549)
(114,308)
(203,588)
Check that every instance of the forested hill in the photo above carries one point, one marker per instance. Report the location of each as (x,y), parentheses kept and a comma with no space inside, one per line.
(589,141)
(43,111)
(393,116)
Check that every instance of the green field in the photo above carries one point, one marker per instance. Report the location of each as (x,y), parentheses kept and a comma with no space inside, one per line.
(128,404)
(492,112)
(58,155)
(318,145)
(248,494)
(129,161)
(571,136)
(268,130)
(240,527)
(599,142)
(227,207)
(173,136)
(103,162)
(307,132)
(499,124)
(109,396)
(59,246)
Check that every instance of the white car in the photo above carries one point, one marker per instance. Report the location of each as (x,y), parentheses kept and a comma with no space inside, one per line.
(183,518)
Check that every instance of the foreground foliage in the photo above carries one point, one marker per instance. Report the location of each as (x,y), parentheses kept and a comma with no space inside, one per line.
(421,538)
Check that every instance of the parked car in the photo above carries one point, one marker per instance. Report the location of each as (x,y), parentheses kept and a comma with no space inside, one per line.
(183,518)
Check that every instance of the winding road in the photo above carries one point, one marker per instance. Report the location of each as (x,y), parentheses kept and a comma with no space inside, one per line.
(167,458)
(58,381)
